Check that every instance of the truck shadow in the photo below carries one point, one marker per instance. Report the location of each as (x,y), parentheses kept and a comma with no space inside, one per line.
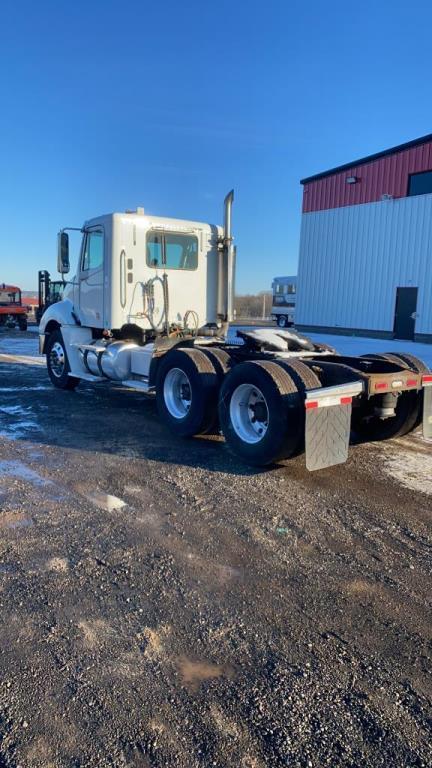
(102,418)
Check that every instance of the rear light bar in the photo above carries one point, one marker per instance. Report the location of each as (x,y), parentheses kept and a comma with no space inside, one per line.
(427,380)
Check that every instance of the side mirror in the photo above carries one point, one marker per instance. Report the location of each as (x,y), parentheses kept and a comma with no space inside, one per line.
(63,264)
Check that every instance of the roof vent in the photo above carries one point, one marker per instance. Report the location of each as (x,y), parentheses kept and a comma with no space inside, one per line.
(137,211)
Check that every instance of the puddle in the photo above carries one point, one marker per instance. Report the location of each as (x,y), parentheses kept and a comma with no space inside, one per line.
(195,672)
(105,500)
(413,470)
(18,469)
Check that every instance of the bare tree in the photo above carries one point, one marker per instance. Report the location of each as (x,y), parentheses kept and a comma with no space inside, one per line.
(256,306)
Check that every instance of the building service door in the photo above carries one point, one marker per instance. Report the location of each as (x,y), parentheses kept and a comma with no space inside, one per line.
(405,313)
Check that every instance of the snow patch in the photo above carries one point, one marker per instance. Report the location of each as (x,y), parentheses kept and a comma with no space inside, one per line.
(411,469)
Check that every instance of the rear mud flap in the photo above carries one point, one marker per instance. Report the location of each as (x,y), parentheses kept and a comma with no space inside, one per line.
(327,436)
(427,412)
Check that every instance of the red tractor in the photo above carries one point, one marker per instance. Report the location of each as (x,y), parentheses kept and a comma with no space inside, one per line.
(12,310)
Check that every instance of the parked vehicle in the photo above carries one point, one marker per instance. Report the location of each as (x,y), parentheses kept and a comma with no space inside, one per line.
(149,308)
(284,300)
(49,292)
(12,310)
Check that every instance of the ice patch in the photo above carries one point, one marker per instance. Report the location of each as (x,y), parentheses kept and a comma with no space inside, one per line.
(19,429)
(18,469)
(14,346)
(38,388)
(15,410)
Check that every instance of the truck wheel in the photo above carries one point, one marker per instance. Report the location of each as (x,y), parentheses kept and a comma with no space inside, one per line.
(58,363)
(260,412)
(186,392)
(282,321)
(368,426)
(22,322)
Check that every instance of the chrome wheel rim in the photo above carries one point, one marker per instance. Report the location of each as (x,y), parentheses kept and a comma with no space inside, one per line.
(249,413)
(57,359)
(177,393)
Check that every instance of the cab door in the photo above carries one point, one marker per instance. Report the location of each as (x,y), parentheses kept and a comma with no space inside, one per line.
(92,278)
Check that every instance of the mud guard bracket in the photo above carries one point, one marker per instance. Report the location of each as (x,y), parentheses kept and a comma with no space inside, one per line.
(328,424)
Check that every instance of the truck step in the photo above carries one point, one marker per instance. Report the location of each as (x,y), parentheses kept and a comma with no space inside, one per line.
(143,386)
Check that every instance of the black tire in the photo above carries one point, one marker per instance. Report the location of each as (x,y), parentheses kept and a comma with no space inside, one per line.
(413,362)
(405,360)
(302,375)
(22,323)
(222,361)
(282,321)
(284,429)
(201,387)
(369,427)
(304,379)
(58,374)
(419,367)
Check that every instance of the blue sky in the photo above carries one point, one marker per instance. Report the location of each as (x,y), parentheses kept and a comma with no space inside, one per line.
(107,105)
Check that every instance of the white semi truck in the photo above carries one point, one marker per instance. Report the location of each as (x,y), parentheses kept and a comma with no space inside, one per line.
(284,291)
(149,307)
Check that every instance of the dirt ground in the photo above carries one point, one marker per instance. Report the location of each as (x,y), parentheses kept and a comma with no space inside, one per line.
(162,605)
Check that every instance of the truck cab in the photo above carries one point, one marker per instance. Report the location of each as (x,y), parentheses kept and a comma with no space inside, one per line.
(146,271)
(12,311)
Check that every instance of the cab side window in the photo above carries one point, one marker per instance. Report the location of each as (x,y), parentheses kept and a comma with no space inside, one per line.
(154,250)
(172,251)
(93,251)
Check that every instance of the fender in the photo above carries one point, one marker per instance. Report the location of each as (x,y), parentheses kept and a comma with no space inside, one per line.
(57,315)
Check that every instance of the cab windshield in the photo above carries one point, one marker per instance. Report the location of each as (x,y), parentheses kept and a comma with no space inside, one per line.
(9,297)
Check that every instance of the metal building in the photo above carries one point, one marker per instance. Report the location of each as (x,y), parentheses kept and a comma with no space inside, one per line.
(365,264)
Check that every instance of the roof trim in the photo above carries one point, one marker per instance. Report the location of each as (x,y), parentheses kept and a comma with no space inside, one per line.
(369,158)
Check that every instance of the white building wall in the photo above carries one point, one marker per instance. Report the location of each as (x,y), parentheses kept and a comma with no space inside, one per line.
(352,259)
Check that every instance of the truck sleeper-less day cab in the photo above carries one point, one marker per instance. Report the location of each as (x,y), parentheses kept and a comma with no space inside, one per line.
(149,308)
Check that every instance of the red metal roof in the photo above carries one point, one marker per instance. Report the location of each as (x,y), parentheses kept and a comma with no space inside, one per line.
(384,174)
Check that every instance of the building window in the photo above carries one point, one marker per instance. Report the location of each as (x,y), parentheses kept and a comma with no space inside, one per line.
(420,183)
(172,251)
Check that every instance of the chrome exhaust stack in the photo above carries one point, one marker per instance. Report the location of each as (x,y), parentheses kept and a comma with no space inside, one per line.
(226,270)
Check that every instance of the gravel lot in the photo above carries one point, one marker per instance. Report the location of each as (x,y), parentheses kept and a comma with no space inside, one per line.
(164,606)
